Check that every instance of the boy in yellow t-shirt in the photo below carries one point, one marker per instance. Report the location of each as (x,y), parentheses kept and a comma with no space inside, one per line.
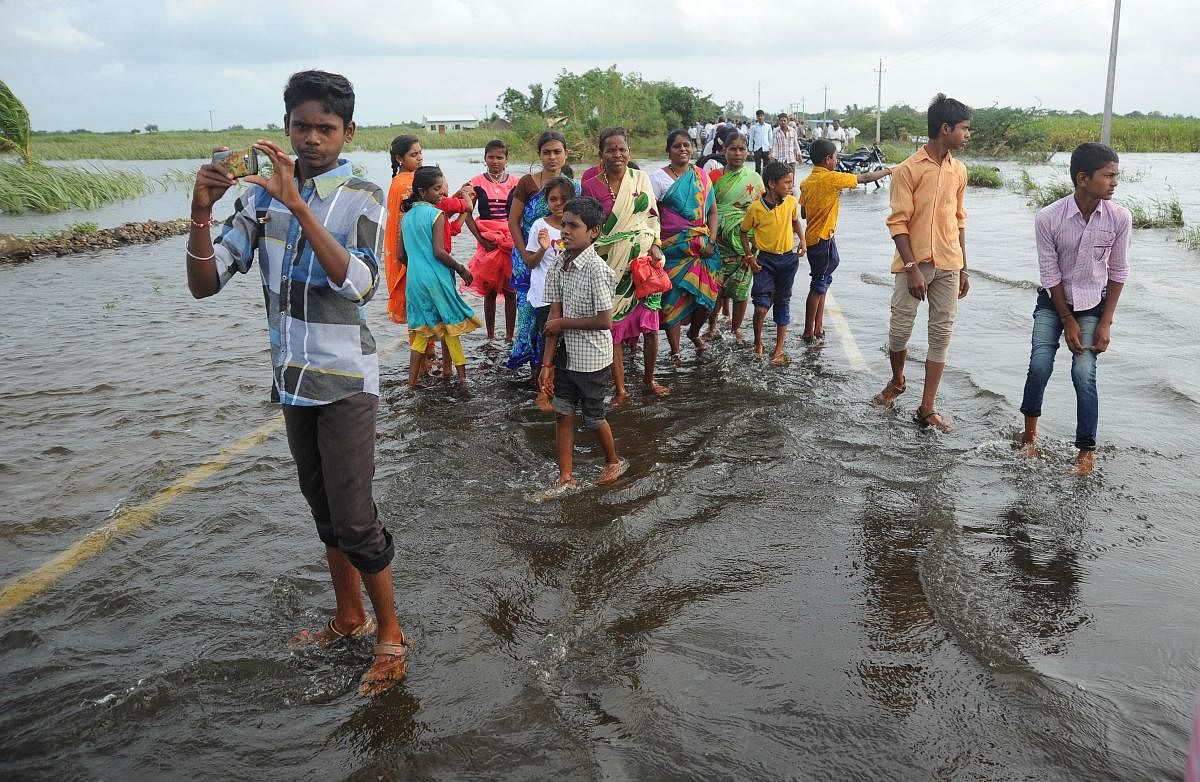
(774,219)
(819,200)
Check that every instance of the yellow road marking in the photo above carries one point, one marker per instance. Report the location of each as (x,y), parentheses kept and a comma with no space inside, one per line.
(853,354)
(22,588)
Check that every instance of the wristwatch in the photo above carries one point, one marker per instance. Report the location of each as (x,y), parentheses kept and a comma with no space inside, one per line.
(909,265)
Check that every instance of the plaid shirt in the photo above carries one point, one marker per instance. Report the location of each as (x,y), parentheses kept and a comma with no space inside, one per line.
(321,348)
(584,286)
(785,144)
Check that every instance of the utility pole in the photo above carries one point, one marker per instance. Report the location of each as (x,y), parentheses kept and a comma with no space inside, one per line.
(878,101)
(1106,125)
(825,113)
(759,95)
(210,121)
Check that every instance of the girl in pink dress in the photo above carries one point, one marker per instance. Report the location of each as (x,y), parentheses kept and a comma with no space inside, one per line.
(491,265)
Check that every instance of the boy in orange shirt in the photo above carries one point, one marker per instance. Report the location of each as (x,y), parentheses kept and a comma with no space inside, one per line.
(819,194)
(928,224)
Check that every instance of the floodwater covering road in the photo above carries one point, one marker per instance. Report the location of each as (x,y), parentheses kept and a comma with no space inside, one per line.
(789,583)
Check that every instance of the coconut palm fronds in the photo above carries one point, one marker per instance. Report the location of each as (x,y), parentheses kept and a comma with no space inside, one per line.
(14,124)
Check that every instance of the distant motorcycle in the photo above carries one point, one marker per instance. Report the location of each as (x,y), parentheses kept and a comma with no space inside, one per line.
(863,160)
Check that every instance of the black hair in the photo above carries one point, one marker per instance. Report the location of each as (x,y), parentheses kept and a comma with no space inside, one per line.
(587,209)
(568,172)
(548,136)
(558,183)
(424,178)
(335,93)
(495,144)
(1090,157)
(775,171)
(674,134)
(781,115)
(400,147)
(821,149)
(759,111)
(608,133)
(945,111)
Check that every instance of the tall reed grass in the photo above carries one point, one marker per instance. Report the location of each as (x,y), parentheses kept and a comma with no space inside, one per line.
(41,188)
(1190,237)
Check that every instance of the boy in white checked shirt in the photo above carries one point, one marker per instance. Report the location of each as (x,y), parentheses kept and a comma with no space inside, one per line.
(578,356)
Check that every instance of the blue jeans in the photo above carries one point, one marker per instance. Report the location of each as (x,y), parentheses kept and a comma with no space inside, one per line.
(1047,331)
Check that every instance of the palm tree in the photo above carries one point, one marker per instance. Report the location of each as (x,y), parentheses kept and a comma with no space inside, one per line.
(14,124)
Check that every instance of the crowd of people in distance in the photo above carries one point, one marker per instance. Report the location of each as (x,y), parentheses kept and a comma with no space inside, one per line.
(590,270)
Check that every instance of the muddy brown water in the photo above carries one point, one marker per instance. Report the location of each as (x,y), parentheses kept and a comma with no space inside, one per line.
(789,584)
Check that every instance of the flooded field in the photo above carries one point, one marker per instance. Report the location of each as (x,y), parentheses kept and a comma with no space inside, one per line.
(789,583)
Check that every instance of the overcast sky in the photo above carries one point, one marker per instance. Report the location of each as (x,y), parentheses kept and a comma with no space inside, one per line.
(107,65)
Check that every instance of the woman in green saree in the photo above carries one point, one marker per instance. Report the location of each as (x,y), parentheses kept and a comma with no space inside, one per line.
(735,188)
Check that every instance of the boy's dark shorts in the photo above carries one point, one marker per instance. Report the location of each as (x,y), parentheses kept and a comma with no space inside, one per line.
(583,389)
(540,316)
(772,286)
(823,260)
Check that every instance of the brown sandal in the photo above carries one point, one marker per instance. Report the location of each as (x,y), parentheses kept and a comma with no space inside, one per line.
(391,673)
(330,635)
(922,420)
(881,399)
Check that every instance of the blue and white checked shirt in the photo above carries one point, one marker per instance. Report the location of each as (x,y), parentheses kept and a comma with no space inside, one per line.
(321,348)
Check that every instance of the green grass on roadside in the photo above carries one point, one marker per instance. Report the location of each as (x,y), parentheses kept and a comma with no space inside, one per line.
(984,176)
(1156,213)
(1190,237)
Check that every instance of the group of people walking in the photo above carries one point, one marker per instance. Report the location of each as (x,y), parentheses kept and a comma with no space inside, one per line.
(587,270)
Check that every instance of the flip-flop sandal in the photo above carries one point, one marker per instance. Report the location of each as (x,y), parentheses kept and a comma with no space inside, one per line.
(922,420)
(318,639)
(374,685)
(880,401)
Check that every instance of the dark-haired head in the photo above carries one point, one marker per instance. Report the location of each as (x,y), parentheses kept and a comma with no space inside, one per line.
(562,185)
(945,111)
(587,209)
(609,133)
(424,178)
(1088,158)
(332,91)
(400,147)
(495,144)
(820,150)
(548,136)
(775,171)
(675,134)
(568,172)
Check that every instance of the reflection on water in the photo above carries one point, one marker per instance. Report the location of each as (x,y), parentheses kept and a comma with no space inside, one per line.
(789,583)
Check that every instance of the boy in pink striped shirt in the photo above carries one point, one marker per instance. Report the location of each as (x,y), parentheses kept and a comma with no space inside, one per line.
(1083,247)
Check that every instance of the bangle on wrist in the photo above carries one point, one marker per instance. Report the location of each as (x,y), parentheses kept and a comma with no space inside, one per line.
(204,223)
(547,366)
(192,255)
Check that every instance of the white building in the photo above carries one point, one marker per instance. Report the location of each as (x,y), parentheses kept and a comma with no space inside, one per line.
(446,123)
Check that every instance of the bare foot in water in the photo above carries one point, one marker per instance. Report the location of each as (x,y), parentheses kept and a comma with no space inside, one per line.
(778,359)
(1029,447)
(739,336)
(612,472)
(758,350)
(710,335)
(1084,464)
(677,360)
(701,348)
(562,488)
(620,399)
(658,389)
